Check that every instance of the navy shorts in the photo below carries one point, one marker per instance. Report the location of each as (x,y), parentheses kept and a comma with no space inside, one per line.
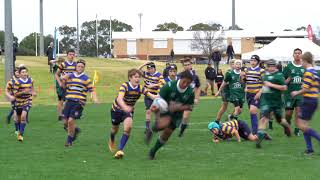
(244,130)
(22,108)
(13,105)
(147,102)
(72,109)
(119,116)
(251,101)
(307,108)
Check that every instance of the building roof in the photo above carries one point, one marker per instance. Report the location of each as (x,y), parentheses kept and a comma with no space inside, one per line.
(189,34)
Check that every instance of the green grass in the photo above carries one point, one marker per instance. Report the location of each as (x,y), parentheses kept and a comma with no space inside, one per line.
(42,155)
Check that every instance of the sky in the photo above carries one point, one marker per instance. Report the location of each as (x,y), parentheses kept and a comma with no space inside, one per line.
(253,15)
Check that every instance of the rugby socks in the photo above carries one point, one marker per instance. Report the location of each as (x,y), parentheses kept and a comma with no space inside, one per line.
(69,139)
(183,127)
(22,126)
(307,138)
(123,141)
(311,132)
(158,145)
(148,124)
(17,125)
(254,123)
(112,136)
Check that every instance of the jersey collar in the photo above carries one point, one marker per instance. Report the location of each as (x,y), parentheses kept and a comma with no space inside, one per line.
(235,71)
(78,75)
(254,68)
(132,86)
(69,63)
(179,89)
(26,80)
(296,65)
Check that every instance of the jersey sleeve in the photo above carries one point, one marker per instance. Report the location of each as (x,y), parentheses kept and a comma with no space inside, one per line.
(123,88)
(227,77)
(286,72)
(143,90)
(191,99)
(165,91)
(307,80)
(197,82)
(281,79)
(89,85)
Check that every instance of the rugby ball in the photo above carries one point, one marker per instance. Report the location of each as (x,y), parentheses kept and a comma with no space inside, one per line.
(161,104)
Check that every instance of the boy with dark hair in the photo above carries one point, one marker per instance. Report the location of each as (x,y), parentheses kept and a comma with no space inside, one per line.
(172,73)
(77,84)
(271,100)
(123,108)
(23,92)
(180,97)
(308,107)
(153,81)
(293,74)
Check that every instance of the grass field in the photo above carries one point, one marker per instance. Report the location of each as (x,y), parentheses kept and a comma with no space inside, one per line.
(42,155)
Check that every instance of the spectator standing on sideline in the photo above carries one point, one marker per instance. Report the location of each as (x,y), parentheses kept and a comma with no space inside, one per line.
(279,66)
(210,76)
(165,73)
(50,56)
(230,52)
(172,55)
(216,58)
(219,78)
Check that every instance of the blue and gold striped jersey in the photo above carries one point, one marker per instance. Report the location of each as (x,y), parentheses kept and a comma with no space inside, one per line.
(10,85)
(77,87)
(229,127)
(254,79)
(131,95)
(155,78)
(311,82)
(67,67)
(23,85)
(167,79)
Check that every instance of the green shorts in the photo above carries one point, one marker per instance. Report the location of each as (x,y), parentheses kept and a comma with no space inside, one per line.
(266,110)
(225,96)
(291,103)
(176,119)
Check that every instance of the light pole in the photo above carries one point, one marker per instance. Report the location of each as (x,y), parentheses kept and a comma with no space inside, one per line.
(8,38)
(140,16)
(41,29)
(78,38)
(233,14)
(97,38)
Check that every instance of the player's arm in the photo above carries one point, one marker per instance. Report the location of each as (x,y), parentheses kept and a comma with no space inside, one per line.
(93,92)
(176,107)
(258,95)
(8,94)
(197,90)
(33,92)
(276,86)
(221,87)
(57,75)
(307,79)
(121,102)
(143,65)
(235,133)
(286,74)
(64,80)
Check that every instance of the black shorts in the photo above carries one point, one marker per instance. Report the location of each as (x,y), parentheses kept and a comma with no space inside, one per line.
(238,103)
(251,101)
(147,102)
(307,108)
(13,105)
(119,116)
(244,130)
(20,109)
(72,109)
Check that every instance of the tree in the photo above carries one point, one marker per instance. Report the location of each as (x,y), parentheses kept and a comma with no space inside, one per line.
(69,38)
(27,46)
(205,27)
(302,28)
(236,27)
(206,41)
(88,35)
(15,39)
(171,26)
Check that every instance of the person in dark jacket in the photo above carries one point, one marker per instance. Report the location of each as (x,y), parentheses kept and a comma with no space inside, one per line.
(165,73)
(279,66)
(210,77)
(230,52)
(172,55)
(50,56)
(219,78)
(216,58)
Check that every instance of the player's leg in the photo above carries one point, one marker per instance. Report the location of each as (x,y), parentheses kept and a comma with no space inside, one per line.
(59,108)
(148,103)
(207,86)
(253,109)
(16,122)
(185,121)
(163,138)
(127,125)
(265,112)
(116,119)
(9,116)
(222,110)
(237,109)
(278,115)
(23,123)
(71,131)
(212,86)
(288,114)
(296,129)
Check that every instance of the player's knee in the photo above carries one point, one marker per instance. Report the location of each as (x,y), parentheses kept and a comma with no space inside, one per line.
(253,110)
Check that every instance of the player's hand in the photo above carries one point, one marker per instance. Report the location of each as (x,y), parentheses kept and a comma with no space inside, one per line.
(34,94)
(257,96)
(294,93)
(128,109)
(174,107)
(215,140)
(217,94)
(267,83)
(154,108)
